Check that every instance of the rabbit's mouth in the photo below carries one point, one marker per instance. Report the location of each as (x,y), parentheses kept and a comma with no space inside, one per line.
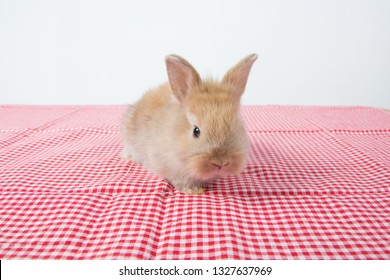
(207,170)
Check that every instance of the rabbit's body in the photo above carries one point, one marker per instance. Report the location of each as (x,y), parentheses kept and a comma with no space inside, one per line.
(189,131)
(154,145)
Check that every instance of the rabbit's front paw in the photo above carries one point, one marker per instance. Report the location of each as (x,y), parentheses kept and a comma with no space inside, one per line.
(189,187)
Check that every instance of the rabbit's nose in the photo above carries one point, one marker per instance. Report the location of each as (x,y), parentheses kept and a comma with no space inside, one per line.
(219,165)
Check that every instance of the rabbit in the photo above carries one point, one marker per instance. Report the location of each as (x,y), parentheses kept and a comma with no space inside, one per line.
(189,130)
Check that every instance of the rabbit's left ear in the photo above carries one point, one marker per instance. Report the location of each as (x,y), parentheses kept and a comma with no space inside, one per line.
(237,76)
(182,76)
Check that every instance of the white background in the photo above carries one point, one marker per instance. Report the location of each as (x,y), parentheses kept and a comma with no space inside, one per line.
(106,269)
(111,51)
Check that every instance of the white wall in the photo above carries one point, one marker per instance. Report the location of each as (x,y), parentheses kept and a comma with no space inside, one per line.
(110,52)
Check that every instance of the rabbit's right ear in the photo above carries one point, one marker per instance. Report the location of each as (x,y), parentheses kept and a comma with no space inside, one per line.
(182,76)
(237,76)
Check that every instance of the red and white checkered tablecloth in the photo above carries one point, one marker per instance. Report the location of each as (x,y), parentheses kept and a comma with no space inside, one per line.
(317,186)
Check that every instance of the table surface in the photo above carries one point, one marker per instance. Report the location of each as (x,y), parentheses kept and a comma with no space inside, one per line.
(316,186)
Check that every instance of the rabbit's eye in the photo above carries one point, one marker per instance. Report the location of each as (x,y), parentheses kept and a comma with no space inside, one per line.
(196,132)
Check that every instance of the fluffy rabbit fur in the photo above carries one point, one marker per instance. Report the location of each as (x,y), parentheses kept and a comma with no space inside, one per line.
(189,130)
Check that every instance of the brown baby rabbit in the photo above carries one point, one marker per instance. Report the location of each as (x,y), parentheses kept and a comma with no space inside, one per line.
(189,130)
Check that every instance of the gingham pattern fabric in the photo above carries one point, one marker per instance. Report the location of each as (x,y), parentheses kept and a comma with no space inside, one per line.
(316,186)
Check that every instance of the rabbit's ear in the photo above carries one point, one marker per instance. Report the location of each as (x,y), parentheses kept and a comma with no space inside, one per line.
(237,76)
(182,76)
